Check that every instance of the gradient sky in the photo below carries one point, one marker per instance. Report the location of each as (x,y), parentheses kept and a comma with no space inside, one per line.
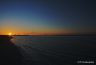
(38,17)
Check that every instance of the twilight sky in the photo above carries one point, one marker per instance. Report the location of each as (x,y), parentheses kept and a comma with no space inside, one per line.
(38,17)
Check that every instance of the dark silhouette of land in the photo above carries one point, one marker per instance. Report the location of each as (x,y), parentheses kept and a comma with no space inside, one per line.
(9,53)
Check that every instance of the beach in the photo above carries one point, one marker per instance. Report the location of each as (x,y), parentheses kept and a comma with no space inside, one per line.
(9,52)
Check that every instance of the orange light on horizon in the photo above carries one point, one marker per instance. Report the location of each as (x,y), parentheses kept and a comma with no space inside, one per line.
(10,34)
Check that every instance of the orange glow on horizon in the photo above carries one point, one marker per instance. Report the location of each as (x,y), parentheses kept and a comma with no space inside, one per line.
(35,31)
(10,34)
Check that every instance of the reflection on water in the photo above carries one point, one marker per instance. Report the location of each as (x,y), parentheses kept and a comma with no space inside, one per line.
(56,50)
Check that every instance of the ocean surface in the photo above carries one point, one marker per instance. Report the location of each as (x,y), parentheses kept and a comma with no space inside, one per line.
(56,50)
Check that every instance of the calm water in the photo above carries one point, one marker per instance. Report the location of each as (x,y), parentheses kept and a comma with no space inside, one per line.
(56,50)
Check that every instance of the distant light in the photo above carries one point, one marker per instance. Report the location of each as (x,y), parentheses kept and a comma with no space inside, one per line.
(10,34)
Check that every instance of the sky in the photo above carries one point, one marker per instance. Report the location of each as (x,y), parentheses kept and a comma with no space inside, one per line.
(47,17)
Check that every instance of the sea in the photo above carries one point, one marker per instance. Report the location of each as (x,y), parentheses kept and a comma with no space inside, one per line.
(57,50)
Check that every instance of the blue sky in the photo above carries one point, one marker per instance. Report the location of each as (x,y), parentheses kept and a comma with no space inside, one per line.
(48,16)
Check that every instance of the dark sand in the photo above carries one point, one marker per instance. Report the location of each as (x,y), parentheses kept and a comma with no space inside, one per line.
(9,53)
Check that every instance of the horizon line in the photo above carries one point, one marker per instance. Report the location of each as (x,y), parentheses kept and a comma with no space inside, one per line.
(50,35)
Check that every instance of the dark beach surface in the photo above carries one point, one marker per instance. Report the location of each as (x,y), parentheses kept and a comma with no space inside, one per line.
(57,50)
(9,52)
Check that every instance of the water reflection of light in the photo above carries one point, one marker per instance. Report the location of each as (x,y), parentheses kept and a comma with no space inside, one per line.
(14,40)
